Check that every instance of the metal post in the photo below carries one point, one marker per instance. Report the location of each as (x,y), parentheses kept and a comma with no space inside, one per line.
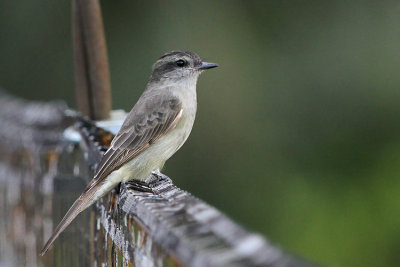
(92,77)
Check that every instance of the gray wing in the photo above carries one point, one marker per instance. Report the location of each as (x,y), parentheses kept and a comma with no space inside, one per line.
(147,122)
(151,118)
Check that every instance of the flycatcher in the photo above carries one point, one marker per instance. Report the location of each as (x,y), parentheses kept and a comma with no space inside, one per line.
(155,128)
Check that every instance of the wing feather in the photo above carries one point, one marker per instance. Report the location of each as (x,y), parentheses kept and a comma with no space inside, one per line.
(139,133)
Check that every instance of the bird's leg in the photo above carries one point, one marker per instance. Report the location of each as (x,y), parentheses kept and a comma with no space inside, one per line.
(118,188)
(139,186)
(156,177)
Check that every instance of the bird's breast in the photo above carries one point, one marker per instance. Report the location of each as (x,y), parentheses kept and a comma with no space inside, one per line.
(173,140)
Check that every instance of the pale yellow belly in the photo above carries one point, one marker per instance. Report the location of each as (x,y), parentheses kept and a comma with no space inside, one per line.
(155,156)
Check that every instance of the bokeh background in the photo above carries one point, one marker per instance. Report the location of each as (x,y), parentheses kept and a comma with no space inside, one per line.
(298,132)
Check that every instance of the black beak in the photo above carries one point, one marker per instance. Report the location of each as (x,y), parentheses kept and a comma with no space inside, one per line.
(207,65)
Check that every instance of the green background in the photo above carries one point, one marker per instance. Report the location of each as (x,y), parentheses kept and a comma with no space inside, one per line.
(298,132)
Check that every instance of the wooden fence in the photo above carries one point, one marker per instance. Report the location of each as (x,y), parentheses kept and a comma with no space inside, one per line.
(44,168)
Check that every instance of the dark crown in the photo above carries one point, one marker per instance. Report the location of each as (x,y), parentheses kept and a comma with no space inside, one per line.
(178,53)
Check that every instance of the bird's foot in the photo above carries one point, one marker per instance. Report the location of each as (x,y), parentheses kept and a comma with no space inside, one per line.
(139,186)
(156,177)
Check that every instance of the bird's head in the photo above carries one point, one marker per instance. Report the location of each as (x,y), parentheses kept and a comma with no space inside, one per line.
(177,65)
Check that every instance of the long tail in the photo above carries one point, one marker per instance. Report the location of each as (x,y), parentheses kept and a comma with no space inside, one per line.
(68,218)
(84,201)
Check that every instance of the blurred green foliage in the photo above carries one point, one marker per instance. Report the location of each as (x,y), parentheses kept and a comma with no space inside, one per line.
(298,132)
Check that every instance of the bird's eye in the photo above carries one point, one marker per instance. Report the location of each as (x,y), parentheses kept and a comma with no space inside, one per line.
(180,63)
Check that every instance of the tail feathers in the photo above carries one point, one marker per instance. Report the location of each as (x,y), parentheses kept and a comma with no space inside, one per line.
(88,197)
(75,209)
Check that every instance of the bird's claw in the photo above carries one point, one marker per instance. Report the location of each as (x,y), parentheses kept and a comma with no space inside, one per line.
(139,186)
(156,177)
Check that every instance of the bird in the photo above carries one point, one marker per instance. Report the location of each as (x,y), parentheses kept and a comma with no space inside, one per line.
(156,127)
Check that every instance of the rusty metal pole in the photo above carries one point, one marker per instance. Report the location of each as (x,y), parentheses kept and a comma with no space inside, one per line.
(92,77)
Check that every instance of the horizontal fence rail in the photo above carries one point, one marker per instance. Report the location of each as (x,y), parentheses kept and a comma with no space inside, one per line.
(42,172)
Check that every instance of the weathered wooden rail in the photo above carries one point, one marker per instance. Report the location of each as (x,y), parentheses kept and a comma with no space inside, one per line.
(42,172)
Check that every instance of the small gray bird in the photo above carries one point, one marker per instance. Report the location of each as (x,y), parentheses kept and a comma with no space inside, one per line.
(153,131)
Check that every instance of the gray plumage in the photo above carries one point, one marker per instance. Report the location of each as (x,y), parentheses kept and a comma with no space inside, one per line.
(155,128)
